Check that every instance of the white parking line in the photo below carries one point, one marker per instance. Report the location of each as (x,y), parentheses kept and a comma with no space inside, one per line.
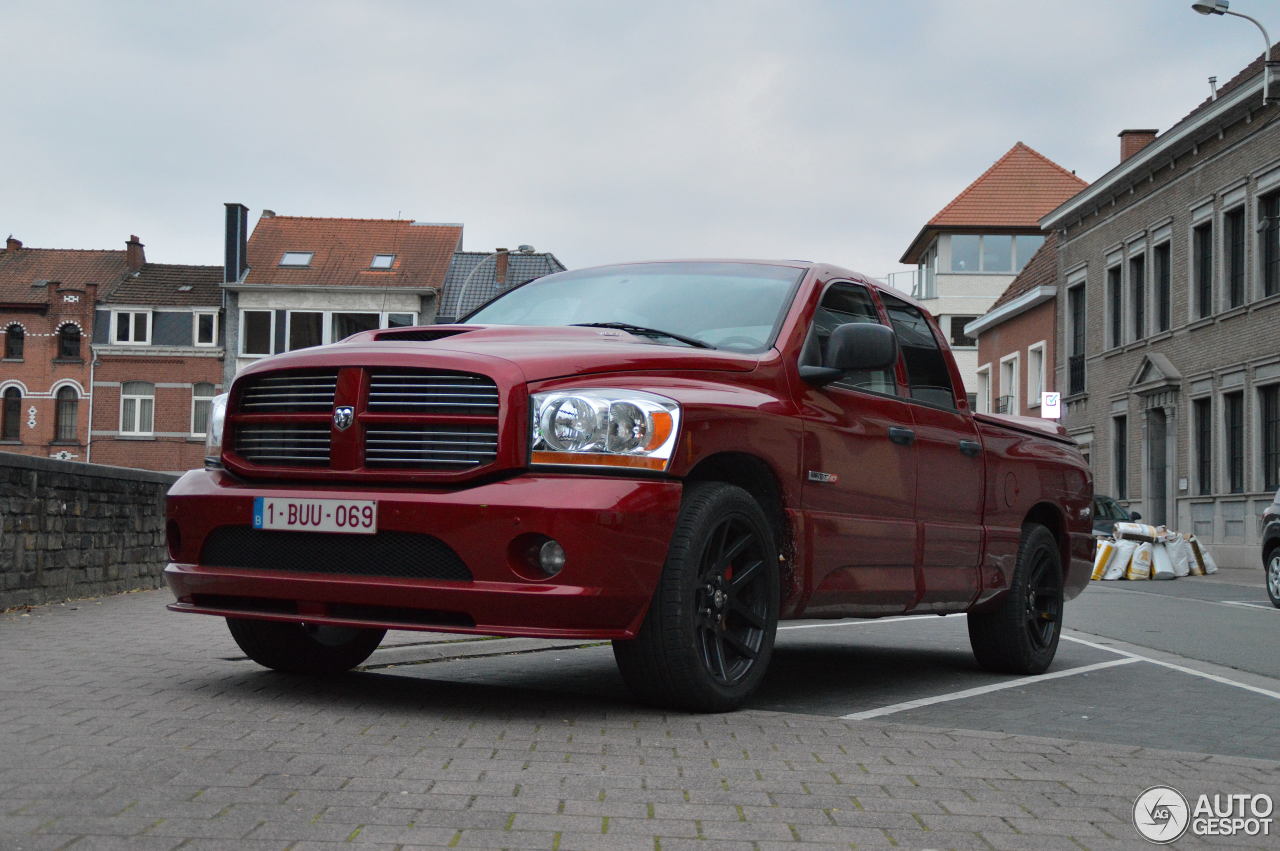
(1252,604)
(981,690)
(1176,667)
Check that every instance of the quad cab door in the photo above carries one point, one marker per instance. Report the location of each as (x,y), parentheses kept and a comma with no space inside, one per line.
(951,485)
(858,476)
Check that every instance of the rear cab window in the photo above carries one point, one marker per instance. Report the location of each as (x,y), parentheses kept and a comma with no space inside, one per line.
(928,377)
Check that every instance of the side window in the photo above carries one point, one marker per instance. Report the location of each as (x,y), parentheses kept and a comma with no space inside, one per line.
(927,373)
(841,304)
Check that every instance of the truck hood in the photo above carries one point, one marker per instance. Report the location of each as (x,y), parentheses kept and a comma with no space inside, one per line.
(539,353)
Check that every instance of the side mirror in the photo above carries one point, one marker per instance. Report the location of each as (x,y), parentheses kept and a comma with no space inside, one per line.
(1135,516)
(854,345)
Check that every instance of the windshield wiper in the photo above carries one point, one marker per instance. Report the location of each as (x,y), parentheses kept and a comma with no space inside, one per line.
(647,332)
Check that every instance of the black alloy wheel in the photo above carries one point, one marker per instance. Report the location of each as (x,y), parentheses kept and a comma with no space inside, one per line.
(1273,576)
(708,637)
(1020,635)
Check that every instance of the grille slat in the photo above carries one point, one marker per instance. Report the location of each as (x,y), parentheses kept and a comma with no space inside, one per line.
(425,446)
(432,392)
(290,392)
(306,444)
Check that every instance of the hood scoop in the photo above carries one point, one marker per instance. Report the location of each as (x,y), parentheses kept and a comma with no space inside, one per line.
(417,335)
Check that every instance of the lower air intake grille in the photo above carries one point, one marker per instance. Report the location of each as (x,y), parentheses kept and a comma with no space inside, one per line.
(406,555)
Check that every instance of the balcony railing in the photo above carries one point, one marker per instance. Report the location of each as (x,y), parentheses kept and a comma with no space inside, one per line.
(1075,374)
(1004,405)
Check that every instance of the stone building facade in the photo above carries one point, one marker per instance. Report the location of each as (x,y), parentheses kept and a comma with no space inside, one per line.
(1170,337)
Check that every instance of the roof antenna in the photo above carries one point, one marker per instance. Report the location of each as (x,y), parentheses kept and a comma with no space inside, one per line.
(1213,88)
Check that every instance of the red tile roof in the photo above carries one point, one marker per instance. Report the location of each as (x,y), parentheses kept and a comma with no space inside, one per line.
(342,250)
(1014,193)
(169,284)
(21,268)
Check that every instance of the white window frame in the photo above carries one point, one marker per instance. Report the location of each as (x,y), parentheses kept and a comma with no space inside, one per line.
(984,389)
(1009,364)
(134,429)
(1035,373)
(133,327)
(196,400)
(390,261)
(290,259)
(195,328)
(326,320)
(271,334)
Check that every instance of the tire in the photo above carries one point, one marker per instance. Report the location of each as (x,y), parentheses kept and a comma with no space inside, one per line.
(1273,576)
(707,640)
(298,648)
(1021,635)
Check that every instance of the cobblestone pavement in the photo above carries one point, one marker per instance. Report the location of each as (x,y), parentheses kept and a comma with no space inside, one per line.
(125,726)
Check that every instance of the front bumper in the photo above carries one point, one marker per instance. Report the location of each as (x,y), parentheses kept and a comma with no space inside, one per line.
(614,532)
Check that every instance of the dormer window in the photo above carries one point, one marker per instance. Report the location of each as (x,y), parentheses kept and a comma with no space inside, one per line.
(382,261)
(297,258)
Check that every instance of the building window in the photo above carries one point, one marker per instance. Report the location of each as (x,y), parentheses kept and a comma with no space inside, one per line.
(1115,303)
(1233,234)
(257,332)
(996,253)
(69,343)
(65,415)
(14,338)
(1138,295)
(131,326)
(1202,269)
(1035,374)
(306,329)
(1008,401)
(982,404)
(382,261)
(1202,424)
(296,258)
(401,320)
(1269,397)
(137,407)
(205,328)
(201,401)
(10,429)
(1075,354)
(958,338)
(1233,423)
(1163,288)
(1120,456)
(318,328)
(1269,249)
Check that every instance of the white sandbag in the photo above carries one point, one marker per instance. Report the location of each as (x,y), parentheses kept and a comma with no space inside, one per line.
(1135,532)
(1102,557)
(1210,566)
(1119,563)
(1140,564)
(1197,556)
(1161,562)
(1180,554)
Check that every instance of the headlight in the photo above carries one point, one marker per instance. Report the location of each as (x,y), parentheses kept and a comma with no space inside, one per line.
(213,430)
(604,428)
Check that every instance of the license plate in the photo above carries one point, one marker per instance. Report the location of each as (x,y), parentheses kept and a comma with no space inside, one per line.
(347,516)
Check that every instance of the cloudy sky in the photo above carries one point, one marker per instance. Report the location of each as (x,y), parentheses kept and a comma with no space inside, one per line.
(601,131)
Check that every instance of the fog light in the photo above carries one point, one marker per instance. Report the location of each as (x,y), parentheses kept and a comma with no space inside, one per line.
(551,557)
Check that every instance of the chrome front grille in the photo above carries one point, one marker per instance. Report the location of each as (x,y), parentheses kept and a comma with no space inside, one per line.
(430,447)
(290,445)
(289,392)
(422,392)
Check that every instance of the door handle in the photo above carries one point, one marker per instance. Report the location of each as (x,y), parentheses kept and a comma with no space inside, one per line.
(901,436)
(970,448)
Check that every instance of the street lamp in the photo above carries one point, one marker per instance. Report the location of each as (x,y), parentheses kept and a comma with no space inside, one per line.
(1220,7)
(457,305)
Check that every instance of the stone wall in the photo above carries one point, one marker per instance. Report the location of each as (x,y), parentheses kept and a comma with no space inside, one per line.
(70,530)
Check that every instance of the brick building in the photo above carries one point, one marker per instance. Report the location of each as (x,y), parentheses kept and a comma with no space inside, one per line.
(1171,367)
(47,300)
(158,357)
(968,254)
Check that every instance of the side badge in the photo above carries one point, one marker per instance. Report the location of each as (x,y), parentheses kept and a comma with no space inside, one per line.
(825,478)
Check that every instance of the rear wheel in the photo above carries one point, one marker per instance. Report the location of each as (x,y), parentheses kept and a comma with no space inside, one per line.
(1273,576)
(299,648)
(708,636)
(1021,635)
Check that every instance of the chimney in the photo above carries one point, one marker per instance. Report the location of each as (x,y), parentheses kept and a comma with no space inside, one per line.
(500,266)
(1132,141)
(12,244)
(235,258)
(134,256)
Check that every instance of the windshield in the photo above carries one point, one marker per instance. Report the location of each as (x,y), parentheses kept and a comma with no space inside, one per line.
(733,306)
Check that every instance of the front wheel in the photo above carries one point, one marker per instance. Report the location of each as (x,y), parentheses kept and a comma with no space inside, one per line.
(708,637)
(1273,576)
(1020,636)
(299,648)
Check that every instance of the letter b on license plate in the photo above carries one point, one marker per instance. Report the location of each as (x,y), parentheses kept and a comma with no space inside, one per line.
(347,516)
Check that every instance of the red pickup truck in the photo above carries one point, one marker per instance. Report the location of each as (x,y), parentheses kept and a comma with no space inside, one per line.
(670,455)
